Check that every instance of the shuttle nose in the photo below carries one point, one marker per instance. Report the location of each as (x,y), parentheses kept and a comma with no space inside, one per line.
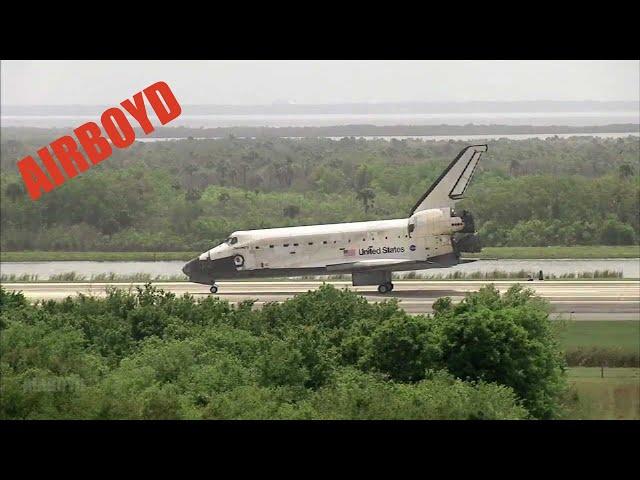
(190,267)
(207,271)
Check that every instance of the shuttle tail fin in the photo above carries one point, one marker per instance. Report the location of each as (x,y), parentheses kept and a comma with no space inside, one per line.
(452,184)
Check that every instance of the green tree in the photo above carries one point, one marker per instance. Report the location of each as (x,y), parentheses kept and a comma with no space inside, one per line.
(362,177)
(614,232)
(193,195)
(404,347)
(625,170)
(291,211)
(13,191)
(507,339)
(224,198)
(366,196)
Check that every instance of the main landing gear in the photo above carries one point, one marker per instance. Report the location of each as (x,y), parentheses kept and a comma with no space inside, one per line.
(380,278)
(213,289)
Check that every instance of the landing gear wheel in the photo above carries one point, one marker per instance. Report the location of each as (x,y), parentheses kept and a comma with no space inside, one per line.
(213,289)
(238,260)
(384,288)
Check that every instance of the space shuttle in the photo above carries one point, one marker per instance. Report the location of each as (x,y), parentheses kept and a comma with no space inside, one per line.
(434,235)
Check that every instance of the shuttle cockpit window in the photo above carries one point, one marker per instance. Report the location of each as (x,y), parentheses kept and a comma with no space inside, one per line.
(231,240)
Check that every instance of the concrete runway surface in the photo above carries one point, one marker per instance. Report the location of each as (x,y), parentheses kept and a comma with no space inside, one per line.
(579,300)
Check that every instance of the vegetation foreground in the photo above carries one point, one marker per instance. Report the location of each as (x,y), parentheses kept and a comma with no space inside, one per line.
(326,354)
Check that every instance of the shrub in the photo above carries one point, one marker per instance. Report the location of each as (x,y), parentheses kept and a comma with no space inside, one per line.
(614,232)
(505,339)
(324,354)
(597,357)
(357,395)
(11,300)
(404,347)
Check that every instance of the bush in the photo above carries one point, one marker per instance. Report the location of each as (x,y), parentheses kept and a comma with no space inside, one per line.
(614,232)
(324,354)
(404,347)
(45,364)
(505,339)
(357,395)
(597,357)
(11,300)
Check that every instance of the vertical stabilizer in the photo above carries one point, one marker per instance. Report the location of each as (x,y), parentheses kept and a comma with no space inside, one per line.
(452,184)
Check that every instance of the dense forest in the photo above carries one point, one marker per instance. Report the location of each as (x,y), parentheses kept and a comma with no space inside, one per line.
(190,194)
(325,354)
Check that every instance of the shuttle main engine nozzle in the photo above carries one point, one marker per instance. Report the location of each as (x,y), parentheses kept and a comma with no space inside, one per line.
(468,243)
(469,222)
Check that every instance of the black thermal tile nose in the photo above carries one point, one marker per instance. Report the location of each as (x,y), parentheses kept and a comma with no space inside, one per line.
(190,267)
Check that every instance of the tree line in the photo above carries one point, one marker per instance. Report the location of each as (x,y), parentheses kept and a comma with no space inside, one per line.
(325,354)
(190,194)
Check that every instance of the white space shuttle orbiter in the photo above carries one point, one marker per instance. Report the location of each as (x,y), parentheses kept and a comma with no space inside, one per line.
(433,236)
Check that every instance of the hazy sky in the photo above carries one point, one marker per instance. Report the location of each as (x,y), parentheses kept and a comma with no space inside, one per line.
(265,82)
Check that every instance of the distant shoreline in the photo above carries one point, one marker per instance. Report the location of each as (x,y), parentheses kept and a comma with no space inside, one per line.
(389,130)
(348,131)
(357,108)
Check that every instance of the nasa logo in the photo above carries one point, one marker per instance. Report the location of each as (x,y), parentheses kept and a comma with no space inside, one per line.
(412,248)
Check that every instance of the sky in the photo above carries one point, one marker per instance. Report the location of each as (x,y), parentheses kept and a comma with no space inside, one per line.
(260,82)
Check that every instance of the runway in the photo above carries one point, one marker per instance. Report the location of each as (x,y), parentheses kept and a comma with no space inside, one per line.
(579,300)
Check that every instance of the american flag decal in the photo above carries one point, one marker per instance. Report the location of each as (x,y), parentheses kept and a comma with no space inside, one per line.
(349,252)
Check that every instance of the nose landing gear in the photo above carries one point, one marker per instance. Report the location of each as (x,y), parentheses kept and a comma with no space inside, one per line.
(385,287)
(213,289)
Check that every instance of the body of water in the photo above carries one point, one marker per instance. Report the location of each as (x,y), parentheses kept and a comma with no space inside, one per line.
(630,268)
(461,138)
(577,119)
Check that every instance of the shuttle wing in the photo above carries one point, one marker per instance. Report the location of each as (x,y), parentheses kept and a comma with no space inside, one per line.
(452,184)
(367,265)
